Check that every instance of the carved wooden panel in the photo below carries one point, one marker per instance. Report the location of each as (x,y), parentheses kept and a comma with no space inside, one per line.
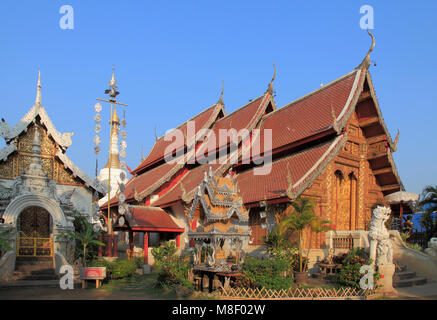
(23,163)
(377,148)
(47,165)
(7,169)
(25,141)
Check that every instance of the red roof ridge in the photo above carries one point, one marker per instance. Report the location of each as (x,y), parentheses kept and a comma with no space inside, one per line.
(332,151)
(311,93)
(219,107)
(210,107)
(241,108)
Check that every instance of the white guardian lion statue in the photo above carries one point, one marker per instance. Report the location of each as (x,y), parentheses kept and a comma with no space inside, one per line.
(381,248)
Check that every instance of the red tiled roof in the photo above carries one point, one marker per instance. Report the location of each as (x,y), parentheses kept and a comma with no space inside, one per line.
(302,165)
(145,181)
(242,118)
(201,120)
(310,114)
(189,182)
(152,219)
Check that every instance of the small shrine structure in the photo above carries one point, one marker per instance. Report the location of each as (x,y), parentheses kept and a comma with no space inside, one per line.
(218,225)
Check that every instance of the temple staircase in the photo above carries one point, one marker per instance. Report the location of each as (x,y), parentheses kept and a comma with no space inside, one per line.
(403,278)
(35,269)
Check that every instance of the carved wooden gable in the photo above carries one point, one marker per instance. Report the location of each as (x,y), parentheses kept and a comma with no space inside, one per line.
(19,160)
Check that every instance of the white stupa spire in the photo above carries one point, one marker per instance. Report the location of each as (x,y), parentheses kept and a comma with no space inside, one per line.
(38,90)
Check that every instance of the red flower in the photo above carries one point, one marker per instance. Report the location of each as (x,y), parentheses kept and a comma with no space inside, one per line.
(382,276)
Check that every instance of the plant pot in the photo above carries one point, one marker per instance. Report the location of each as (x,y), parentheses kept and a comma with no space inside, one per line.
(92,273)
(300,277)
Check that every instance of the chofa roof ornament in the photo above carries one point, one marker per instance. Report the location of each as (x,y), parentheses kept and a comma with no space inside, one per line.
(366,60)
(270,87)
(221,94)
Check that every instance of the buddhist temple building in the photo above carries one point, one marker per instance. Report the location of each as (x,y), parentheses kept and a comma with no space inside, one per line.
(331,145)
(41,190)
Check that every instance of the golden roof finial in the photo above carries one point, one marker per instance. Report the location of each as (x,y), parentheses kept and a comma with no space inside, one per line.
(366,60)
(221,94)
(270,88)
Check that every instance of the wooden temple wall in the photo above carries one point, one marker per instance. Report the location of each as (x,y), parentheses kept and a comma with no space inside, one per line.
(347,189)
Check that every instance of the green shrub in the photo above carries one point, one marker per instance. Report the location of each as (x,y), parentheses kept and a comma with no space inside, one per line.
(349,274)
(258,273)
(414,246)
(162,253)
(173,270)
(139,261)
(117,269)
(102,263)
(123,269)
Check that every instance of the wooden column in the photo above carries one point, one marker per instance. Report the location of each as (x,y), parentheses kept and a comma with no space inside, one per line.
(146,247)
(131,243)
(178,240)
(100,247)
(108,247)
(115,242)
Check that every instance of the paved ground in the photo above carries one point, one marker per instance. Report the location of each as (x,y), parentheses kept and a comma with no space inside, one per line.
(140,288)
(423,292)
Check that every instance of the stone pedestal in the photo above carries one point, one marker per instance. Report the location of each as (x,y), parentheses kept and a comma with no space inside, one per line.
(147,269)
(386,282)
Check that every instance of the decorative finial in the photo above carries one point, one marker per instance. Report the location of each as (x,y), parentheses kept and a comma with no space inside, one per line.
(395,143)
(221,94)
(142,157)
(366,60)
(184,195)
(38,90)
(334,117)
(112,86)
(113,82)
(270,88)
(156,136)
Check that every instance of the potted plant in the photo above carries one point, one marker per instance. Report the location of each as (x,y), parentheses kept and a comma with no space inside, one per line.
(87,237)
(298,216)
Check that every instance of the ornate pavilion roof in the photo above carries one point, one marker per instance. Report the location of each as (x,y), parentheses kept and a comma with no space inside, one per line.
(63,141)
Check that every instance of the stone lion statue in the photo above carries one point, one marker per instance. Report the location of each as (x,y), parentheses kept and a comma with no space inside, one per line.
(381,247)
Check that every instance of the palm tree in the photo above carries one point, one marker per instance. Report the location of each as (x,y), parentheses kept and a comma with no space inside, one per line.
(87,237)
(298,216)
(318,225)
(429,204)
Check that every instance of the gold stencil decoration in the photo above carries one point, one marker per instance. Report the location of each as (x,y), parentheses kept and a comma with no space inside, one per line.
(6,169)
(47,165)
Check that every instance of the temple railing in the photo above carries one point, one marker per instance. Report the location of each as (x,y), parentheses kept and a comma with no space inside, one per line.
(347,239)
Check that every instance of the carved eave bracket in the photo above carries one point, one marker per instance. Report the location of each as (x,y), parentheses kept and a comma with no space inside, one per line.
(394,145)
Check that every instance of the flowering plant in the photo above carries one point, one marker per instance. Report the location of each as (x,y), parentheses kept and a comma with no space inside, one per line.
(349,274)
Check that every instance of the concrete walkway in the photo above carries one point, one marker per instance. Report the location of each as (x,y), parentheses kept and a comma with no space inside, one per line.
(423,292)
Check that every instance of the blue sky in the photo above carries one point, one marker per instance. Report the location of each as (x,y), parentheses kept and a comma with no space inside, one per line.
(170,59)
